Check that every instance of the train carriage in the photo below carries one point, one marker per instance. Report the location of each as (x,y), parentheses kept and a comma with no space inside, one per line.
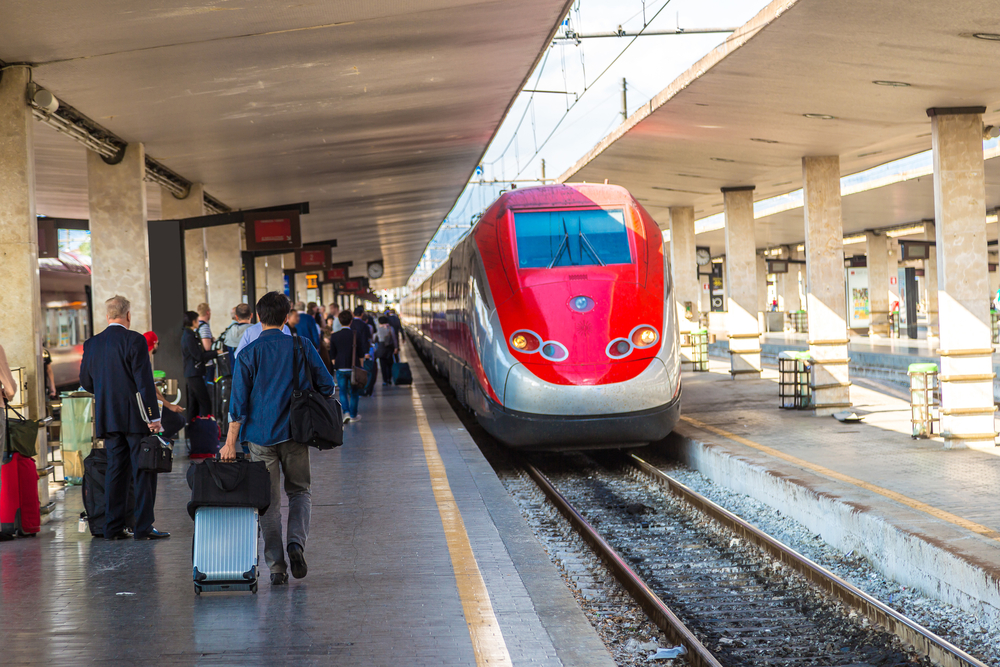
(552,319)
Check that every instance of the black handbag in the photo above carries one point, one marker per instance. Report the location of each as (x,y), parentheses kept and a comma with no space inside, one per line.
(239,483)
(359,375)
(156,454)
(316,420)
(22,435)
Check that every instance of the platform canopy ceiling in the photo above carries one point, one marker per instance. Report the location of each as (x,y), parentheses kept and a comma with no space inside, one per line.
(375,112)
(852,78)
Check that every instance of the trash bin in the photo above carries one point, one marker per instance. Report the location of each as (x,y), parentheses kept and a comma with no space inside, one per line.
(76,433)
(800,321)
(699,350)
(794,391)
(924,402)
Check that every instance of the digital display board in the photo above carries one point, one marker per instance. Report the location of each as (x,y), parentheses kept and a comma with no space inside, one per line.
(312,258)
(273,230)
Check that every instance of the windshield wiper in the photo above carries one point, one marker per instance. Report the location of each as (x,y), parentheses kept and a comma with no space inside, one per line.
(586,242)
(563,245)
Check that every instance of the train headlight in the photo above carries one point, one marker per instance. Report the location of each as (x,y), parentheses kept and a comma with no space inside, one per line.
(643,336)
(618,348)
(525,341)
(554,351)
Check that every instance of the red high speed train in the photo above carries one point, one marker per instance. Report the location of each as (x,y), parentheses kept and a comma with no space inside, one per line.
(553,320)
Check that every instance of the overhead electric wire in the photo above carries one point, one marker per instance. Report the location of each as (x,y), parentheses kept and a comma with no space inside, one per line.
(603,72)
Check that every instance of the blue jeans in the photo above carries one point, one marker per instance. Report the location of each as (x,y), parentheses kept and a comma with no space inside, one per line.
(348,393)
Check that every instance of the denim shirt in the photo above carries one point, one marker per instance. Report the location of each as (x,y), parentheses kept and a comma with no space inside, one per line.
(262,386)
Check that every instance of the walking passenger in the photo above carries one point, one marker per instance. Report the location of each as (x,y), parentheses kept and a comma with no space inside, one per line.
(363,332)
(306,325)
(344,352)
(259,414)
(234,332)
(115,368)
(385,349)
(333,318)
(195,356)
(204,330)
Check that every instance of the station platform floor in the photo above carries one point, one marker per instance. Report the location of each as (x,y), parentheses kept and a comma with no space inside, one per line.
(417,556)
(924,515)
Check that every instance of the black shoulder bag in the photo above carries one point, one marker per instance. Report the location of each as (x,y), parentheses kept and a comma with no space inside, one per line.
(21,434)
(316,420)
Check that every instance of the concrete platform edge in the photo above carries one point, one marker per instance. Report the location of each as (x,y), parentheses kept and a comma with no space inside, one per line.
(916,550)
(575,640)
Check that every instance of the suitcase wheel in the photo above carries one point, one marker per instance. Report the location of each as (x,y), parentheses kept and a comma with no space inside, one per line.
(197,589)
(253,589)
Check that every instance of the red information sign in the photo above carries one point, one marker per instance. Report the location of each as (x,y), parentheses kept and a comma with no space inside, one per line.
(277,230)
(272,230)
(313,258)
(338,273)
(352,286)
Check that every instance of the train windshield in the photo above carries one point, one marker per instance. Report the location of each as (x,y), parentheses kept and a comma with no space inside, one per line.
(546,239)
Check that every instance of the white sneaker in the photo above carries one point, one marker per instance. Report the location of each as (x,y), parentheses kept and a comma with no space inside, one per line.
(354,419)
(347,419)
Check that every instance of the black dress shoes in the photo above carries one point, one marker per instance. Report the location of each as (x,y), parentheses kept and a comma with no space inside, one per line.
(297,559)
(120,535)
(154,534)
(279,578)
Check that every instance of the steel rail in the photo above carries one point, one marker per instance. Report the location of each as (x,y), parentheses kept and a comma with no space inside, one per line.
(658,612)
(939,650)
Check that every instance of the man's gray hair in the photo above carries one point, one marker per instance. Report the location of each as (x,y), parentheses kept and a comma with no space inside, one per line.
(300,305)
(118,307)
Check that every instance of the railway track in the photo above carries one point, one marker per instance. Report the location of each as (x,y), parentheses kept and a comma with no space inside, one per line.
(726,591)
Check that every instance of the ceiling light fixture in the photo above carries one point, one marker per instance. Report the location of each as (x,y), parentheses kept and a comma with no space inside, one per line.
(988,36)
(857,238)
(763,141)
(721,159)
(892,84)
(819,116)
(905,231)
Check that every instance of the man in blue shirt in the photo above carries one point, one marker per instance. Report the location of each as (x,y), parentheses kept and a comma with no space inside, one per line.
(259,411)
(307,327)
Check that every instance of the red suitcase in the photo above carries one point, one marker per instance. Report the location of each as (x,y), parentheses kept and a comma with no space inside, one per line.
(19,509)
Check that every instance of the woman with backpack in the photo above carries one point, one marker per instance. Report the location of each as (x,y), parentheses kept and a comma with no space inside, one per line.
(385,349)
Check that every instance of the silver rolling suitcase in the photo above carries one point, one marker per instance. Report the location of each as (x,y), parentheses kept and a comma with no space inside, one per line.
(224,553)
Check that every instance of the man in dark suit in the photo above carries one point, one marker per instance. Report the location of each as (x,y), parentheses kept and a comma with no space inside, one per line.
(114,368)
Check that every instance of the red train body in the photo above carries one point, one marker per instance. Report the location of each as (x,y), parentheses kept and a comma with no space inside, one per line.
(553,320)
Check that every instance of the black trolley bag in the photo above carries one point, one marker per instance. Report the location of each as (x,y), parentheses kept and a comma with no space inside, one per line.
(227,499)
(95,503)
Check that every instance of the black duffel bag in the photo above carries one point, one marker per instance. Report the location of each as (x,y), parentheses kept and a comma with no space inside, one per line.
(239,483)
(315,420)
(156,454)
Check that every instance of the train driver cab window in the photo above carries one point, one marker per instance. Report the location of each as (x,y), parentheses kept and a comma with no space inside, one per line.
(546,239)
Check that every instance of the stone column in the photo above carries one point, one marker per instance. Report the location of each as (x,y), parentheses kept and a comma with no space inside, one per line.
(966,372)
(763,304)
(21,327)
(224,243)
(892,268)
(327,294)
(931,276)
(192,206)
(741,284)
(684,273)
(118,235)
(260,271)
(826,302)
(275,277)
(877,249)
(788,285)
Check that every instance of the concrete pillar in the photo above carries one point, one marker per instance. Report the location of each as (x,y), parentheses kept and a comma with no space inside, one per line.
(118,235)
(327,294)
(892,268)
(741,284)
(826,301)
(275,277)
(966,372)
(192,206)
(260,277)
(930,281)
(877,249)
(684,274)
(788,285)
(21,327)
(224,243)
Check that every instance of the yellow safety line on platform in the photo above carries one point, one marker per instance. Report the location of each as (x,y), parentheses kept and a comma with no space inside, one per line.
(840,477)
(487,639)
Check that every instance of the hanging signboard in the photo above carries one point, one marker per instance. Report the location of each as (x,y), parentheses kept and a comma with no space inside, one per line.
(336,274)
(273,230)
(312,258)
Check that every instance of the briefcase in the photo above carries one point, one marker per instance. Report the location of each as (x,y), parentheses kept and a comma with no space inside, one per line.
(156,454)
